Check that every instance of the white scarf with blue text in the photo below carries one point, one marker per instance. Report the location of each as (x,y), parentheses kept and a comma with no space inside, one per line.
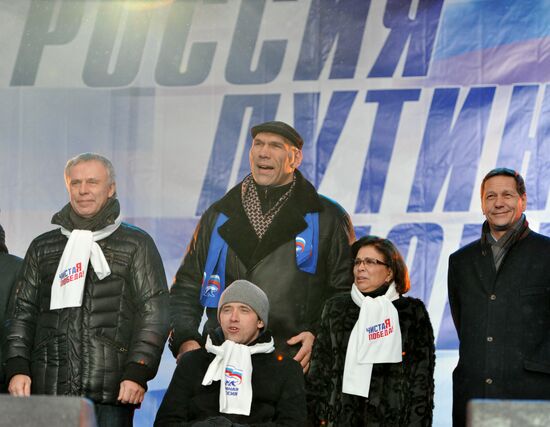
(232,366)
(375,338)
(81,248)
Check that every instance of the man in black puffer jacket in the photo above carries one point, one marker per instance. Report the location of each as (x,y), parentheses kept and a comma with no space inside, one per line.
(237,379)
(91,308)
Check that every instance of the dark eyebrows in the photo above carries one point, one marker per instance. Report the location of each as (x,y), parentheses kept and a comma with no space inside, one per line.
(504,193)
(272,143)
(76,181)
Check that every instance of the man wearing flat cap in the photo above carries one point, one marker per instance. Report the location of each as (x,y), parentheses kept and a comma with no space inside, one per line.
(273,229)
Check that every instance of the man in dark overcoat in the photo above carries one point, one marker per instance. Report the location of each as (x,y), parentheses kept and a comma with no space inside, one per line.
(499,293)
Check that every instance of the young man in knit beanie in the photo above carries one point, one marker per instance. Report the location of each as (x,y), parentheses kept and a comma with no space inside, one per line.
(236,378)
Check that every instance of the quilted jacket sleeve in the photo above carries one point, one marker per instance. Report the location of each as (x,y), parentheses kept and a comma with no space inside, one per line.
(151,329)
(21,323)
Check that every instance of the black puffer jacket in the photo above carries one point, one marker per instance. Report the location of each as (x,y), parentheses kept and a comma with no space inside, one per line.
(118,333)
(296,298)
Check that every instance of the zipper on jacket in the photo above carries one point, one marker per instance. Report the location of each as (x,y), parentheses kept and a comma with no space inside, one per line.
(112,343)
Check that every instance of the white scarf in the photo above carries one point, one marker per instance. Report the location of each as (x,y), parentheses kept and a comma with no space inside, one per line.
(81,248)
(375,338)
(233,365)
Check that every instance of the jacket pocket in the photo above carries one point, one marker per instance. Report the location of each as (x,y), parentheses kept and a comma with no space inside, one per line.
(42,342)
(115,345)
(119,262)
(535,324)
(531,300)
(49,351)
(534,291)
(531,365)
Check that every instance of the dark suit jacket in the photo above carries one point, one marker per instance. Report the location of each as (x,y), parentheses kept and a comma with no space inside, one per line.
(503,322)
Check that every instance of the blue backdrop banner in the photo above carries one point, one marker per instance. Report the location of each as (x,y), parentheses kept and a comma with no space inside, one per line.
(404,105)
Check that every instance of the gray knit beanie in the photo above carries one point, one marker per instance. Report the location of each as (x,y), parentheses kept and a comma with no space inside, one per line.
(247,293)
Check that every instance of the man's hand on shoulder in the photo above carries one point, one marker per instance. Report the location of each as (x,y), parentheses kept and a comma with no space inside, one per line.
(130,392)
(20,385)
(187,346)
(304,354)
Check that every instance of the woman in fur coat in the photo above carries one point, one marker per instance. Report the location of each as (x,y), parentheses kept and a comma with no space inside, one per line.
(374,356)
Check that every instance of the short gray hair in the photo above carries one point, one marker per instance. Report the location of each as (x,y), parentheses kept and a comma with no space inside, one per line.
(88,157)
